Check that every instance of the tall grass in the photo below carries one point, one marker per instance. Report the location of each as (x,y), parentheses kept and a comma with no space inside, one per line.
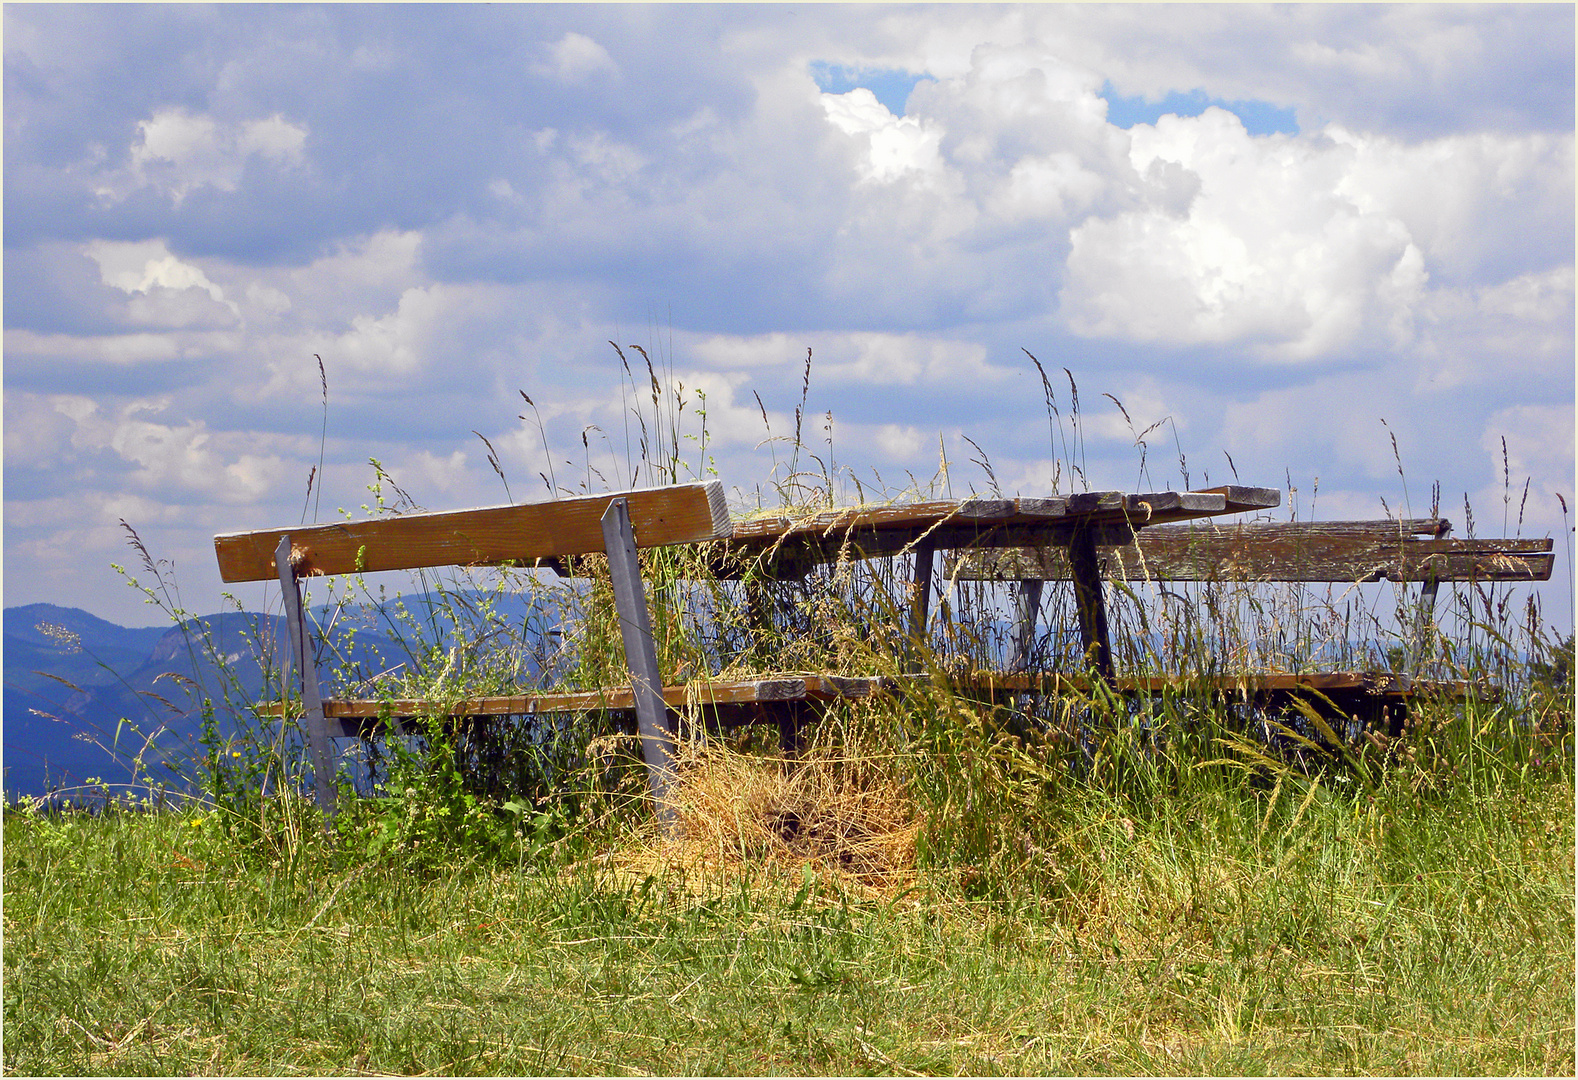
(1251,888)
(962,759)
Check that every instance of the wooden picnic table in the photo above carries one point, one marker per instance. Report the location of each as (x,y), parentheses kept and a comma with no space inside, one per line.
(778,547)
(763,548)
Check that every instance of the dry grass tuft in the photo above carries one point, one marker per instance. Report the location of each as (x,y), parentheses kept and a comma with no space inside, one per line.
(841,817)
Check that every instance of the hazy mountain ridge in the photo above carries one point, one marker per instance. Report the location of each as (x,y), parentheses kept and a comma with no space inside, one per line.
(70,678)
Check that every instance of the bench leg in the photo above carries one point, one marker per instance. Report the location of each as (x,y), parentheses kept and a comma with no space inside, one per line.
(311,697)
(1027,606)
(646,682)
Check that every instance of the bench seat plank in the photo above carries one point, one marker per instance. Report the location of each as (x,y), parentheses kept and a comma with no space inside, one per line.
(1339,551)
(1374,684)
(521,534)
(797,688)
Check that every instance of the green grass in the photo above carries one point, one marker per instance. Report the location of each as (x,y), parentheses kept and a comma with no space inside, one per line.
(1215,933)
(936,886)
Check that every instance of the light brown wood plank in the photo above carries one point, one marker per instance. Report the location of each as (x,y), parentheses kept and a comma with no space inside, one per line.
(702,693)
(520,534)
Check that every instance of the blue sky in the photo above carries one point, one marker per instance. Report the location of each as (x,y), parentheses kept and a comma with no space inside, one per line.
(1282,234)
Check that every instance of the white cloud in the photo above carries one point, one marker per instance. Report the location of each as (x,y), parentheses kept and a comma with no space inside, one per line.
(729,351)
(1465,198)
(163,290)
(430,478)
(868,358)
(178,152)
(183,457)
(1269,254)
(120,349)
(903,359)
(893,146)
(1149,416)
(139,266)
(899,441)
(574,58)
(1539,444)
(1497,334)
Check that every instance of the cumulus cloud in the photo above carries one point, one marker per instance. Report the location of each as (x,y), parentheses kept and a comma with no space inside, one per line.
(1466,332)
(1267,254)
(178,151)
(891,145)
(575,58)
(178,460)
(1538,444)
(163,290)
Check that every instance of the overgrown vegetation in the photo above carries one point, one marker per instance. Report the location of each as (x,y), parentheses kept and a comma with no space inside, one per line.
(933,883)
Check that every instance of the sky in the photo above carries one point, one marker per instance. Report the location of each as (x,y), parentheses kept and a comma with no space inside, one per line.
(1327,249)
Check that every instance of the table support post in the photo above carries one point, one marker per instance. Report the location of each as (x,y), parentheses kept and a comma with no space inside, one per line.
(758,619)
(1027,607)
(1423,619)
(311,697)
(920,594)
(1086,575)
(646,683)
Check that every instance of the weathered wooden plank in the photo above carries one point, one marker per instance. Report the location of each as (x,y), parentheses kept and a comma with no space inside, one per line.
(1243,499)
(1093,502)
(1030,509)
(1373,684)
(829,687)
(987,509)
(784,548)
(619,699)
(789,689)
(920,516)
(521,534)
(1281,551)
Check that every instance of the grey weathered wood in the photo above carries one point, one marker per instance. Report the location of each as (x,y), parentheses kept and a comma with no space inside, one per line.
(1090,604)
(784,548)
(920,589)
(311,696)
(1343,551)
(646,683)
(986,509)
(1424,618)
(1027,603)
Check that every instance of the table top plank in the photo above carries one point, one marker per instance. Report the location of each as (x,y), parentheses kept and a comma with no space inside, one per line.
(783,547)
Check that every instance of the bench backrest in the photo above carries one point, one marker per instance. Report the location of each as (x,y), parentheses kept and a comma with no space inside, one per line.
(686,513)
(1333,551)
(616,524)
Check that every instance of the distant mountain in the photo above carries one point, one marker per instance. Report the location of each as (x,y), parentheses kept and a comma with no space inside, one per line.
(71,678)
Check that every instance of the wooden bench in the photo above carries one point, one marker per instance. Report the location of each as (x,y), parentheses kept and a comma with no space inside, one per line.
(1340,552)
(615,524)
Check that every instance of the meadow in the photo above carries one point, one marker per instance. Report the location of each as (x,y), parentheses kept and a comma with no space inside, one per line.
(932,884)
